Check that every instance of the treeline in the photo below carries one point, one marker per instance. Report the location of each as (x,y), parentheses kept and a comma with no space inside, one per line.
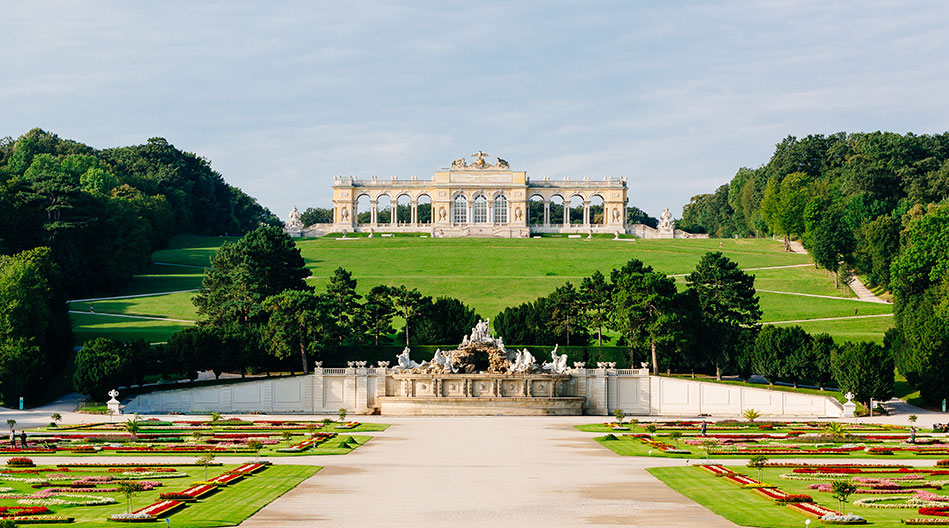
(78,221)
(870,203)
(710,327)
(843,195)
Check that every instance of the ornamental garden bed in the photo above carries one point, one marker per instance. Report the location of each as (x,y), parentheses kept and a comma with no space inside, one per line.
(89,495)
(782,500)
(787,439)
(187,438)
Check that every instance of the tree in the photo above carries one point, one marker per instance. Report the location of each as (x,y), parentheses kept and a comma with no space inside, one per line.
(783,206)
(101,365)
(782,353)
(726,297)
(205,460)
(596,294)
(443,321)
(865,369)
(255,446)
(374,317)
(129,488)
(567,313)
(758,462)
(342,303)
(132,425)
(316,215)
(841,490)
(408,303)
(56,418)
(920,281)
(644,308)
(881,241)
(262,263)
(828,237)
(297,322)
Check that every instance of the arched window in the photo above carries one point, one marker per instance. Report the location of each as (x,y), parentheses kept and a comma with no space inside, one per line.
(500,209)
(480,209)
(459,210)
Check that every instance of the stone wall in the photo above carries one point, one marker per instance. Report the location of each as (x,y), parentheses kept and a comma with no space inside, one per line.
(596,391)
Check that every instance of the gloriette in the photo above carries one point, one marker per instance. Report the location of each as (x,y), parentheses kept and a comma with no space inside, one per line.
(482,199)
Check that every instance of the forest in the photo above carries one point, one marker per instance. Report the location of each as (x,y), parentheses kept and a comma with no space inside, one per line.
(78,221)
(874,204)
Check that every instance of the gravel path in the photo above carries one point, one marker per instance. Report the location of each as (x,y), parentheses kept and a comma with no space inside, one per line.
(484,471)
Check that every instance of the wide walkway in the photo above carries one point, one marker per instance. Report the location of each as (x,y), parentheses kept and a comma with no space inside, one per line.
(484,471)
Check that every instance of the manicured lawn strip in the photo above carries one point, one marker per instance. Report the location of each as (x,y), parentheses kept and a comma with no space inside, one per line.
(781,307)
(88,326)
(870,329)
(746,508)
(227,507)
(740,506)
(629,446)
(231,505)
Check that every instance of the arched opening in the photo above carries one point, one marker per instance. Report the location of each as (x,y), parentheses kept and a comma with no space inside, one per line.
(576,210)
(459,210)
(479,210)
(596,210)
(404,209)
(363,210)
(556,210)
(384,209)
(535,210)
(500,209)
(423,212)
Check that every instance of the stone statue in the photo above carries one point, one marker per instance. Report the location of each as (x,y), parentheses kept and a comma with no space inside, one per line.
(345,213)
(480,155)
(503,164)
(294,221)
(459,163)
(517,213)
(523,362)
(404,361)
(441,214)
(665,222)
(558,364)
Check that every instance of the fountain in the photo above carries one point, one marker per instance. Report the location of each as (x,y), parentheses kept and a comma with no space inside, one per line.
(481,376)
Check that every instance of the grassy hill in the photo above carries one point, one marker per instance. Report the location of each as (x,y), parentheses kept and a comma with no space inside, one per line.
(488,274)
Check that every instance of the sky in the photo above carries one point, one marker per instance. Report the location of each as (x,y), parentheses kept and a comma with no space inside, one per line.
(282,96)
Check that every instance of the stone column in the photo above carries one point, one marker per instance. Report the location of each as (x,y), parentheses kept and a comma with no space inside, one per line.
(374,212)
(586,213)
(394,214)
(469,212)
(546,213)
(566,213)
(414,212)
(490,218)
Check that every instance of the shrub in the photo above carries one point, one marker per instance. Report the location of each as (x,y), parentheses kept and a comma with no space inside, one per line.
(943,463)
(794,498)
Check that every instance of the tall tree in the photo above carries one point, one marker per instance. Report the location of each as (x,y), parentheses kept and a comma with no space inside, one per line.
(828,237)
(374,317)
(262,263)
(343,302)
(567,312)
(296,324)
(444,321)
(408,303)
(784,203)
(865,369)
(644,308)
(596,294)
(726,296)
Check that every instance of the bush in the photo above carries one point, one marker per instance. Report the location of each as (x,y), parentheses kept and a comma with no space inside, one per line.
(101,365)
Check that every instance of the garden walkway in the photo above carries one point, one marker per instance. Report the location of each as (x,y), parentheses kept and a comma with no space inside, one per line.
(484,471)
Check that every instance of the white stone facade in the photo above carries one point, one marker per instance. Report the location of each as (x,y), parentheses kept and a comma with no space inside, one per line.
(589,391)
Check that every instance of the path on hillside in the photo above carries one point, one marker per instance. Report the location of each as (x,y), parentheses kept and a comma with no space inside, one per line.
(826,319)
(818,296)
(863,292)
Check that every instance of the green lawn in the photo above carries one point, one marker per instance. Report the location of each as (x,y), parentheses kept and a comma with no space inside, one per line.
(871,329)
(747,508)
(487,274)
(227,507)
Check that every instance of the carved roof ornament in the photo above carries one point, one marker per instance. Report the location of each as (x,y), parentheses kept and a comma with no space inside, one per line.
(480,163)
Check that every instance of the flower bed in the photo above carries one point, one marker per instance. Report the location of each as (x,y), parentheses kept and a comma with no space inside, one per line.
(13,511)
(162,507)
(811,509)
(226,478)
(249,468)
(46,519)
(20,462)
(940,511)
(925,521)
(717,470)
